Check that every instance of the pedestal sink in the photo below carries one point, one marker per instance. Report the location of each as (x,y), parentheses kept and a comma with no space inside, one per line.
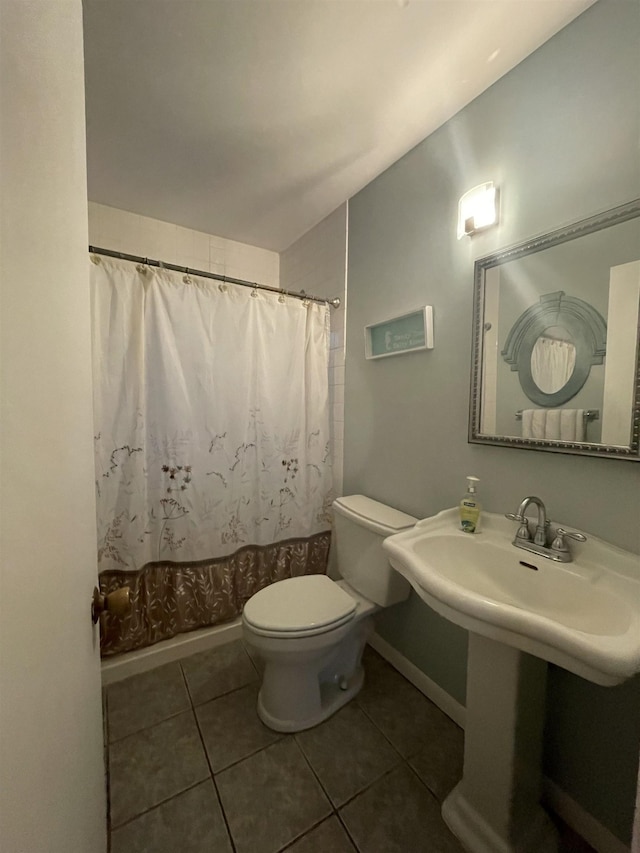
(522,611)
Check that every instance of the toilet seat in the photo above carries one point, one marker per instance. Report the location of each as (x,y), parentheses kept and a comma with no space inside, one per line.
(299,607)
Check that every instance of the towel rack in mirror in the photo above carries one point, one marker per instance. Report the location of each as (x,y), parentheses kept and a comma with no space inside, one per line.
(589,414)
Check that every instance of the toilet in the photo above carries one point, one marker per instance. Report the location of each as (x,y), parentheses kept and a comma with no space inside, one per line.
(310,631)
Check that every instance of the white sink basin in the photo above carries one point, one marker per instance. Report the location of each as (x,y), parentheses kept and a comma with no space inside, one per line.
(583,615)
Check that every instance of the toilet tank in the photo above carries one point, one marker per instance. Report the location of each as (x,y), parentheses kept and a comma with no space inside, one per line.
(360,525)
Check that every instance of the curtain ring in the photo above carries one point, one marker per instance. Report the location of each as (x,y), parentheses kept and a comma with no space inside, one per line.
(254,291)
(222,288)
(281,298)
(187,278)
(95,259)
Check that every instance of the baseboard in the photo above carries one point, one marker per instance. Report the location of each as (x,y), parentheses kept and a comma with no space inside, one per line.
(166,651)
(451,707)
(571,812)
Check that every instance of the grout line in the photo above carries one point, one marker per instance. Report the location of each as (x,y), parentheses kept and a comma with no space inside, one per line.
(336,808)
(384,734)
(150,725)
(221,695)
(324,791)
(297,838)
(372,783)
(198,704)
(347,802)
(249,755)
(161,803)
(253,663)
(346,829)
(424,784)
(186,684)
(213,779)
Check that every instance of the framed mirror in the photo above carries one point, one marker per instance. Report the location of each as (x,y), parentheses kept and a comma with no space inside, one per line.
(556,350)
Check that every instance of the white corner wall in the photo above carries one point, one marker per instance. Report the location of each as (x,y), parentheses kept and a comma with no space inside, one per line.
(621,358)
(52,793)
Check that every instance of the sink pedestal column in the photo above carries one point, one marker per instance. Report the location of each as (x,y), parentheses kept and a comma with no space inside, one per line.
(496,807)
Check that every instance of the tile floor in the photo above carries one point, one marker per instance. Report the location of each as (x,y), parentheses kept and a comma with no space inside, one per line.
(191,769)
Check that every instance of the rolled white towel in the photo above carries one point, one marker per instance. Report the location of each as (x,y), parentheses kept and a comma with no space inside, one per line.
(527,423)
(572,424)
(552,425)
(539,423)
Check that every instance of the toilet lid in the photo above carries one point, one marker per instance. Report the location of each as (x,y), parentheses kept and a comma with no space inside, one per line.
(310,604)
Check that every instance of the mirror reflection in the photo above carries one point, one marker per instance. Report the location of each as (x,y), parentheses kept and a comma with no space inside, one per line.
(553,359)
(556,340)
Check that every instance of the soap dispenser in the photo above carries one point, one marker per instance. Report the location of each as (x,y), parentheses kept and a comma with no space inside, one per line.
(470,507)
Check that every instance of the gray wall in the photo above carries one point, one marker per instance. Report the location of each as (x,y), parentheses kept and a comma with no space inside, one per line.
(559,134)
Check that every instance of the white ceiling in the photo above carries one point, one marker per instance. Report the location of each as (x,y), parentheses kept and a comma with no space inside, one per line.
(254,119)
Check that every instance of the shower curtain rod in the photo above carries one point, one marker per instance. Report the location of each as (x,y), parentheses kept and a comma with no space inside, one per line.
(123,256)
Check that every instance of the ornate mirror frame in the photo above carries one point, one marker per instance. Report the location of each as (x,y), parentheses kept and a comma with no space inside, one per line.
(583,322)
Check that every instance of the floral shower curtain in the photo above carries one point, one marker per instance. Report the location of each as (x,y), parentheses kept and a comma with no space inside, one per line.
(211,444)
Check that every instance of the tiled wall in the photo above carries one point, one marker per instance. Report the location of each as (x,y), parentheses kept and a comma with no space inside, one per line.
(110,228)
(316,263)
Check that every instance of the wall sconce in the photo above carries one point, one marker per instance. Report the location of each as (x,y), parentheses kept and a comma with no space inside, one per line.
(478,209)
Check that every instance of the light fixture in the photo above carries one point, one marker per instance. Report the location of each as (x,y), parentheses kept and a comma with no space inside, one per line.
(478,209)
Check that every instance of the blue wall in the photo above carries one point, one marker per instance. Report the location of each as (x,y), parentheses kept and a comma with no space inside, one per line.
(559,134)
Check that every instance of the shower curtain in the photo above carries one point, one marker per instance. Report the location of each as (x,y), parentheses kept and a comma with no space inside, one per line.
(552,363)
(211,444)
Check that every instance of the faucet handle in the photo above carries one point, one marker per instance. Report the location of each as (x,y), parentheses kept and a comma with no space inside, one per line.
(559,543)
(523,530)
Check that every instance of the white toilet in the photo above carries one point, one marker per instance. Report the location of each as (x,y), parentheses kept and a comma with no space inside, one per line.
(310,631)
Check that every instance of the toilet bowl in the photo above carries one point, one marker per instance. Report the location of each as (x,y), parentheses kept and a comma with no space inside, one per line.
(310,631)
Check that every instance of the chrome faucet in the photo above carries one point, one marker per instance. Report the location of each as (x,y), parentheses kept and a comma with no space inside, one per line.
(551,546)
(540,536)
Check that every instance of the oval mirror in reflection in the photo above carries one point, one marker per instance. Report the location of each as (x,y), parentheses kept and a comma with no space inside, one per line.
(553,359)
